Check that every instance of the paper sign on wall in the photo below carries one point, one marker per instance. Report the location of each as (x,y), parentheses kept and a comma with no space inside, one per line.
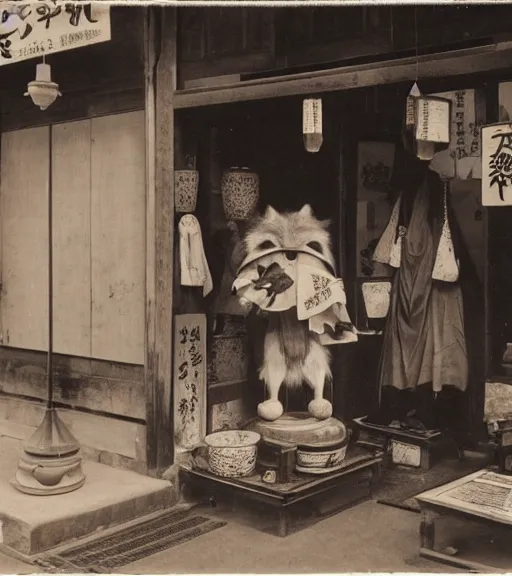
(32,30)
(189,383)
(461,159)
(376,297)
(497,165)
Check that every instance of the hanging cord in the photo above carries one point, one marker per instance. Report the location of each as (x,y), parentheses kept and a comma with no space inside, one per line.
(445,199)
(49,366)
(416,43)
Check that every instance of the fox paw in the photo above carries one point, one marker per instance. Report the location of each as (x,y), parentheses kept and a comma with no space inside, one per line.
(320,409)
(270,410)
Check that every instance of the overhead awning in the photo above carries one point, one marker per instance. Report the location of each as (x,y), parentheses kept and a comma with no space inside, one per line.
(454,63)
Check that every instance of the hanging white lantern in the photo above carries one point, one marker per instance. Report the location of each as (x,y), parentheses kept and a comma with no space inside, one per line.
(42,90)
(312,124)
(433,122)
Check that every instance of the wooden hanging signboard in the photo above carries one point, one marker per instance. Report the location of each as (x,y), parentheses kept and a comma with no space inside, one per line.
(497,164)
(33,30)
(190,380)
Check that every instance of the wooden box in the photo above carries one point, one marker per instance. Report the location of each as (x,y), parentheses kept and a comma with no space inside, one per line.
(403,447)
(278,456)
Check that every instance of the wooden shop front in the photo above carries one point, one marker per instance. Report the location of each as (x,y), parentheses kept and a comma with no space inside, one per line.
(191,96)
(239,103)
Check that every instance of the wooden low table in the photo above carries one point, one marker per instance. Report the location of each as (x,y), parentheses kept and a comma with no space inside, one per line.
(304,493)
(484,496)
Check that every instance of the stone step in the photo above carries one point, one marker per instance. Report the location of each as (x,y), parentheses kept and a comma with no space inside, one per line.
(30,525)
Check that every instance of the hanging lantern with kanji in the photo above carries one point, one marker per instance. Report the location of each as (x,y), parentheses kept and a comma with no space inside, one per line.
(312,124)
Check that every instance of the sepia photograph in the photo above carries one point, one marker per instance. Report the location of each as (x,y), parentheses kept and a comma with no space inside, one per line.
(255,287)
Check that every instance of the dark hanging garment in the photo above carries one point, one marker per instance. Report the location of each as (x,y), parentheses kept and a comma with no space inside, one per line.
(424,340)
(466,411)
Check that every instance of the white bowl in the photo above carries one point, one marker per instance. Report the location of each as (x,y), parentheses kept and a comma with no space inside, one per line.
(232,453)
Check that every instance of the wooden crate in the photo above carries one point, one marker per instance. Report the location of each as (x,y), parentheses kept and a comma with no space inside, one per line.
(405,448)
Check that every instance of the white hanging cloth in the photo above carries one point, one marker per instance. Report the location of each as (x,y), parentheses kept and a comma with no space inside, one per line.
(446,266)
(389,248)
(193,263)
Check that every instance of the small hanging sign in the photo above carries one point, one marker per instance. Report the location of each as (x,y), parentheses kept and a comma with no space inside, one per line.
(433,120)
(410,106)
(312,124)
(497,164)
(430,131)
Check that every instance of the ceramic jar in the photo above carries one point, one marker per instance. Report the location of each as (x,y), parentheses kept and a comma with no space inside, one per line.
(240,193)
(186,188)
(325,451)
(321,458)
(232,453)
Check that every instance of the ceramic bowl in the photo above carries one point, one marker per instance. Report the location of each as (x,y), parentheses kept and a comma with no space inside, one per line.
(232,453)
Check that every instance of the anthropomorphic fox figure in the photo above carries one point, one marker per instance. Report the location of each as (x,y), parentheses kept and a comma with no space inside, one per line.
(275,246)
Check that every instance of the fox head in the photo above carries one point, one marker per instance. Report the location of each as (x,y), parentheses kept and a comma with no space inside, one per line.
(290,231)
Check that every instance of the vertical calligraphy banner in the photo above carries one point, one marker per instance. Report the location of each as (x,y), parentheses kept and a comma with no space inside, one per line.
(189,382)
(465,131)
(497,164)
(33,30)
(461,160)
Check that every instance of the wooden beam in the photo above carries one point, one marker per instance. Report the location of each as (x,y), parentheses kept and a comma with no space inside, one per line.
(78,106)
(455,63)
(160,71)
(96,433)
(80,383)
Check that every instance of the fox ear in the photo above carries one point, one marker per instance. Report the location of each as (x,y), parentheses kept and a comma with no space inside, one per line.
(270,213)
(306,210)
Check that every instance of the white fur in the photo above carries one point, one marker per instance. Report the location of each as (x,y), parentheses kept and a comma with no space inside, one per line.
(314,370)
(289,231)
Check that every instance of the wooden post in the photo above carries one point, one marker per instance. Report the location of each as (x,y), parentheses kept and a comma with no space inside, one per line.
(427,530)
(160,72)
